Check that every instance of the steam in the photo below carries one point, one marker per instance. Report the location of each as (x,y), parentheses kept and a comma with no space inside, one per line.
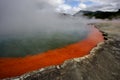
(33,26)
(29,16)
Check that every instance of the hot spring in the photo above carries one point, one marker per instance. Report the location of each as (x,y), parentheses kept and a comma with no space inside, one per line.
(28,27)
(33,36)
(40,41)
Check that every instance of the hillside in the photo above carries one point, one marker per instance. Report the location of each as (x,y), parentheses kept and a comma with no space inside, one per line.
(99,14)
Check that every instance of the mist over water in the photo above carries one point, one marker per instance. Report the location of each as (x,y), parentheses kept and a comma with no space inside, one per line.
(32,26)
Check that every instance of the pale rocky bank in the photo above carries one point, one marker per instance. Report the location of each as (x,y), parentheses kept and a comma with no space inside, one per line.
(103,62)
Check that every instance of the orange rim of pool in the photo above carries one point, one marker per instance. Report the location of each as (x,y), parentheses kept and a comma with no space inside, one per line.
(12,67)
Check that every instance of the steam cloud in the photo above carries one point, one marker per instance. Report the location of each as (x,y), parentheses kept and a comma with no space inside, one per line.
(33,26)
(30,16)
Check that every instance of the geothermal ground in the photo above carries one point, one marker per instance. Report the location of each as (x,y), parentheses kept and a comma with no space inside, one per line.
(103,62)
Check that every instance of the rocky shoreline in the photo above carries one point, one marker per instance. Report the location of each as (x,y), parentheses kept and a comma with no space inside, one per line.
(103,62)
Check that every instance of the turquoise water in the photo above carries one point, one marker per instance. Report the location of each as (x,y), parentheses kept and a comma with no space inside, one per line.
(22,45)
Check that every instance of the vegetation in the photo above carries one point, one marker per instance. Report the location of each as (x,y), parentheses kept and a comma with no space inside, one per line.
(100,14)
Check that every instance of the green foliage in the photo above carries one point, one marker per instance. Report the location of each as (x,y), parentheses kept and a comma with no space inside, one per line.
(102,15)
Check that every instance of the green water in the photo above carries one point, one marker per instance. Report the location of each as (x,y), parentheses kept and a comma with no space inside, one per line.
(19,46)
